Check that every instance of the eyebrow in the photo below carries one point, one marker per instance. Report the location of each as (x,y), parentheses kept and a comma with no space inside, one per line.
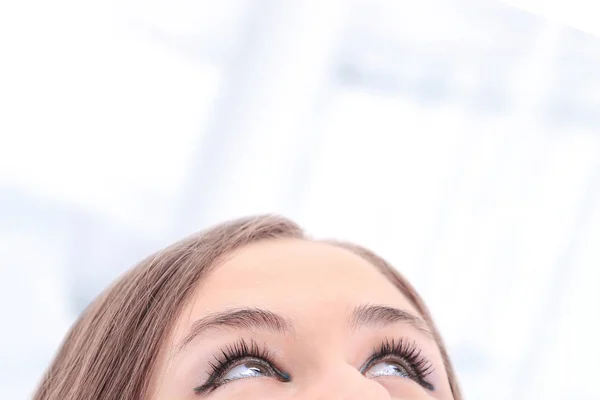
(256,318)
(240,318)
(380,316)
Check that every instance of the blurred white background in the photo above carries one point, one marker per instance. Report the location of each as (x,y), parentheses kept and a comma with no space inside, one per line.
(459,139)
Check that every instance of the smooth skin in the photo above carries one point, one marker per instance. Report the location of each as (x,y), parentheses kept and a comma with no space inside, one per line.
(315,288)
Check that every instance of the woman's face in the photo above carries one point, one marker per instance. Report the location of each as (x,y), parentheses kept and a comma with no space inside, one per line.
(292,319)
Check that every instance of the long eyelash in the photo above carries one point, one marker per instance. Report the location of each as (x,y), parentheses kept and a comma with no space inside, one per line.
(234,352)
(228,357)
(407,350)
(404,349)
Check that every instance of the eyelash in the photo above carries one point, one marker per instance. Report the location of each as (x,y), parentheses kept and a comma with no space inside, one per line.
(417,365)
(235,354)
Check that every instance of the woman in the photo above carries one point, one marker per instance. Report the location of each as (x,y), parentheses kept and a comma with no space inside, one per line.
(254,309)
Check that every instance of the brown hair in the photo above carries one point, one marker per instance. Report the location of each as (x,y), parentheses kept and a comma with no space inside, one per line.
(111,351)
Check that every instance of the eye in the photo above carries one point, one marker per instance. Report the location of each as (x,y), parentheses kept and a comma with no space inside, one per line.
(386,368)
(247,369)
(401,358)
(241,361)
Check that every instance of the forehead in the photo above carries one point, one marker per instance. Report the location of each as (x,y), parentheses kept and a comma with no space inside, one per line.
(296,278)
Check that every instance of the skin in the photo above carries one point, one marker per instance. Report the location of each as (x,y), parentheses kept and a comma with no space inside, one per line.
(315,287)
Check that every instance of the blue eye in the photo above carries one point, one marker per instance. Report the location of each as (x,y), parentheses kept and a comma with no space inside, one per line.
(248,369)
(386,368)
(241,361)
(400,358)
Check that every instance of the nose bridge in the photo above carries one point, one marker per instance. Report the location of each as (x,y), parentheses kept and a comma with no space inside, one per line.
(346,383)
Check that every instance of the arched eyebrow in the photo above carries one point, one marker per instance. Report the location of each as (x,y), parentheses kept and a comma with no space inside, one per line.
(366,315)
(372,315)
(243,319)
